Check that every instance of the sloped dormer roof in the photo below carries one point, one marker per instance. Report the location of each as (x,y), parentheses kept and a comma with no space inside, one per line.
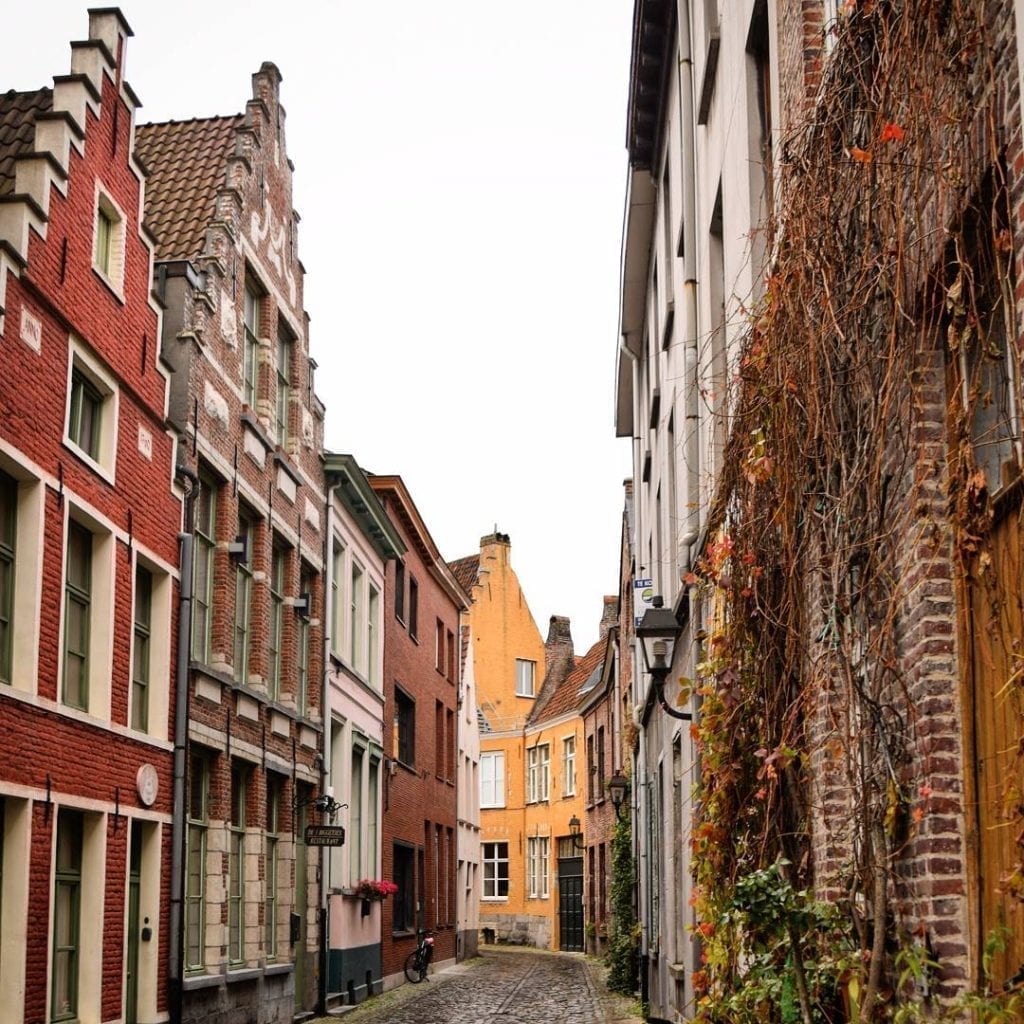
(186,163)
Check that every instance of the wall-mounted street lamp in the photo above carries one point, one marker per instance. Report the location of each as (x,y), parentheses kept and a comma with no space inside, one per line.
(658,632)
(618,787)
(324,803)
(574,831)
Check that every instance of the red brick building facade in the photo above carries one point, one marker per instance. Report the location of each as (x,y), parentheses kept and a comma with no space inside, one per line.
(219,198)
(89,518)
(421,622)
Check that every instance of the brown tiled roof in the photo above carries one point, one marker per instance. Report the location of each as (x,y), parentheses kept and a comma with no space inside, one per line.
(18,112)
(186,161)
(465,571)
(567,697)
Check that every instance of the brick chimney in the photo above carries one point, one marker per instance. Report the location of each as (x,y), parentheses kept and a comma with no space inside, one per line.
(559,656)
(609,614)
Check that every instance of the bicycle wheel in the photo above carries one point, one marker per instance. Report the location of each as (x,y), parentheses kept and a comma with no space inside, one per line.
(412,968)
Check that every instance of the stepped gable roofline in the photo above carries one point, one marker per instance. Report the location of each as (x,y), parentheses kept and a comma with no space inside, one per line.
(18,113)
(567,697)
(355,493)
(465,570)
(394,487)
(186,163)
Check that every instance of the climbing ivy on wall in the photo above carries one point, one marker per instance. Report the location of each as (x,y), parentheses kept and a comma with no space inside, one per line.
(624,938)
(848,468)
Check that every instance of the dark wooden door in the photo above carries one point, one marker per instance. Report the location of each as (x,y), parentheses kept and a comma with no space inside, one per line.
(995,652)
(570,904)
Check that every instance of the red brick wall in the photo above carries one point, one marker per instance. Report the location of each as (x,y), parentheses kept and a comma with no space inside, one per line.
(415,801)
(82,761)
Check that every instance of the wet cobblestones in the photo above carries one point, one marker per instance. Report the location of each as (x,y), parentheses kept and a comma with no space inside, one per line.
(502,987)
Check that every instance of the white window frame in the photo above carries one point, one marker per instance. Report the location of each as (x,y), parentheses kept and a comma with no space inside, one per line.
(829,24)
(338,590)
(538,773)
(492,778)
(159,646)
(569,765)
(101,613)
(526,681)
(89,366)
(29,513)
(113,275)
(538,851)
(495,860)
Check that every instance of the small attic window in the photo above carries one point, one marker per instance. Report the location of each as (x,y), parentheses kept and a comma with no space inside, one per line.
(108,242)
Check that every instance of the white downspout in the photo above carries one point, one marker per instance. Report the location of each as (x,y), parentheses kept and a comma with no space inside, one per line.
(691,441)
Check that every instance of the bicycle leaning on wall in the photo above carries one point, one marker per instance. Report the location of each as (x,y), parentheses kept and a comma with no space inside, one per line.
(417,962)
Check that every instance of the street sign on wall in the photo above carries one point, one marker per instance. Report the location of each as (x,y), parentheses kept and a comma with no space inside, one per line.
(643,598)
(325,835)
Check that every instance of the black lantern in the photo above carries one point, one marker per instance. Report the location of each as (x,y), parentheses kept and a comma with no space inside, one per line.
(618,787)
(574,831)
(658,632)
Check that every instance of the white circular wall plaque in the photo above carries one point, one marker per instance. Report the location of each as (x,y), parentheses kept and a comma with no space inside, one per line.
(148,783)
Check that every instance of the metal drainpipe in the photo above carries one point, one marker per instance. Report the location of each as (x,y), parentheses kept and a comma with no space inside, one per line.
(690,356)
(325,932)
(181,707)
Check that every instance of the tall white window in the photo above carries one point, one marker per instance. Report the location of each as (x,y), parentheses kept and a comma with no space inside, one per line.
(250,344)
(537,851)
(278,572)
(355,816)
(236,865)
(77,613)
(243,598)
(525,675)
(492,779)
(495,863)
(205,545)
(67,917)
(140,648)
(275,787)
(357,623)
(284,381)
(337,595)
(373,634)
(569,766)
(538,773)
(8,532)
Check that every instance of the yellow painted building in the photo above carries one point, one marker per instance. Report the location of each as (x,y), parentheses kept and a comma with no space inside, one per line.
(531,759)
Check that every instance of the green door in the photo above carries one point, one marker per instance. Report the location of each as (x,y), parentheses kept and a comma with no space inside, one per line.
(131,999)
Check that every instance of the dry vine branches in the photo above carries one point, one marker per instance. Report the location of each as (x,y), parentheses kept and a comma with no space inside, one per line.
(867,412)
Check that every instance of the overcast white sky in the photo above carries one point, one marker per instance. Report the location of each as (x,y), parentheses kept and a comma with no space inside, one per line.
(459,170)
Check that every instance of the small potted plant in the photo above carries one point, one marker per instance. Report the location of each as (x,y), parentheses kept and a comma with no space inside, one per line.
(373,890)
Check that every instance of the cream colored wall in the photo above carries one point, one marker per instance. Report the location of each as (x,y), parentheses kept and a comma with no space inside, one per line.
(14,904)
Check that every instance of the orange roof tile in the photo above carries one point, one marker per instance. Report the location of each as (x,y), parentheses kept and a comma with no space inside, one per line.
(465,570)
(18,111)
(187,164)
(567,696)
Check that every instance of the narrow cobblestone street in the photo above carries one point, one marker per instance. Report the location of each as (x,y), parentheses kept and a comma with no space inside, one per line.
(499,987)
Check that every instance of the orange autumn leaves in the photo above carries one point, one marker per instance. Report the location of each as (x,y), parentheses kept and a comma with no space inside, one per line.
(891,132)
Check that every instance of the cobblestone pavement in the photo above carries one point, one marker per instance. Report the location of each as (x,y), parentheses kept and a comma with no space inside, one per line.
(502,986)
